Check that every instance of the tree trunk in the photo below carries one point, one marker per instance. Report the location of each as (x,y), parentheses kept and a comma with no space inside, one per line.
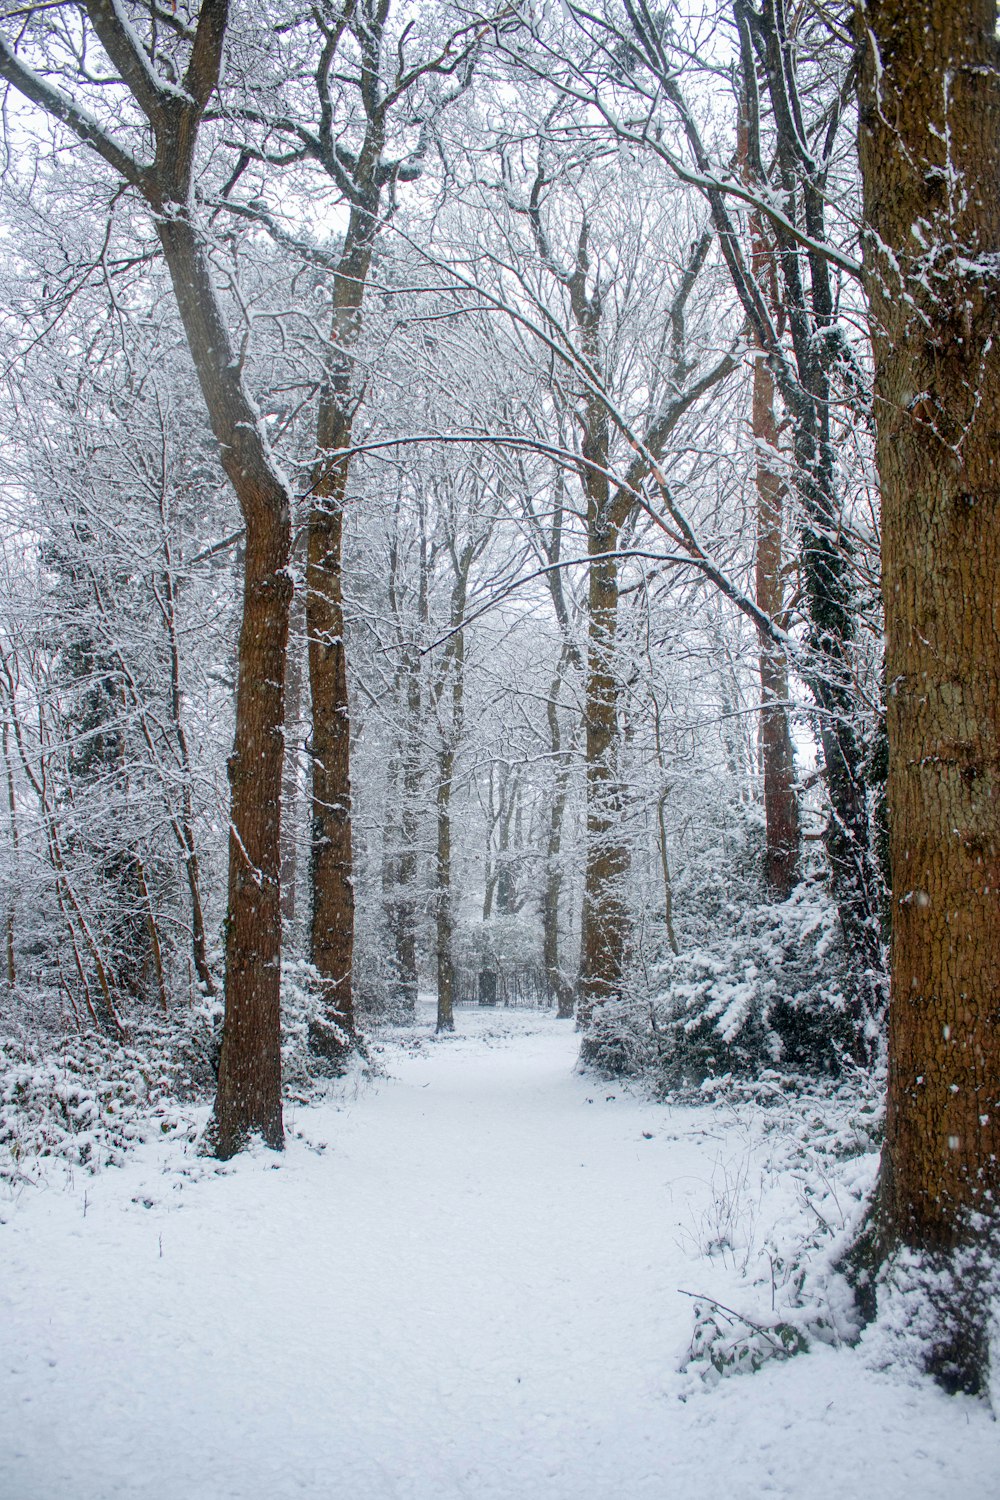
(604,918)
(559,986)
(930,161)
(332,929)
(781,806)
(248,1100)
(445,916)
(290,774)
(332,860)
(604,921)
(15,849)
(453,679)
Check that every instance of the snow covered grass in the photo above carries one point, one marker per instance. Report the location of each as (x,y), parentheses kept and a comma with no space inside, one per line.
(465,1279)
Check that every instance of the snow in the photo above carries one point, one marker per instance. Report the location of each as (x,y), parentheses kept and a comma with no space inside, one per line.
(462,1281)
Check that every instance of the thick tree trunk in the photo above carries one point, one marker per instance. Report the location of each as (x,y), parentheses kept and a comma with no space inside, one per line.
(930,160)
(604,921)
(248,1100)
(781,806)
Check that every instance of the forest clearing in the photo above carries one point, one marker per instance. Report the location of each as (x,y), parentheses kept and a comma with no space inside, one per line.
(463,1278)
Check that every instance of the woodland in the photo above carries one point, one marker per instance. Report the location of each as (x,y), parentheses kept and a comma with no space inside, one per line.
(500,558)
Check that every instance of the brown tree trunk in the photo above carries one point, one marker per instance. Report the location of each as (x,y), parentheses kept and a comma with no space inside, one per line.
(604,928)
(248,1100)
(452,680)
(332,859)
(559,986)
(15,845)
(604,922)
(930,161)
(290,774)
(781,806)
(444,913)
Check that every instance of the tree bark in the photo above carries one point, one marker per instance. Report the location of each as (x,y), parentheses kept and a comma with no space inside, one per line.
(781,805)
(560,989)
(452,679)
(405,915)
(332,860)
(290,774)
(930,160)
(605,925)
(444,909)
(249,1093)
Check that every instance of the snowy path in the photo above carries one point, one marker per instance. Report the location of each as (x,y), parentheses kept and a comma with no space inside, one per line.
(472,1294)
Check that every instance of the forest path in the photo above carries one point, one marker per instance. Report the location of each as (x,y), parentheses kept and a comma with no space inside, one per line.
(471,1294)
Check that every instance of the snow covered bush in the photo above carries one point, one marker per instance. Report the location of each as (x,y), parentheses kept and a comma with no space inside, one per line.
(86,1099)
(819,1151)
(768,992)
(313,1048)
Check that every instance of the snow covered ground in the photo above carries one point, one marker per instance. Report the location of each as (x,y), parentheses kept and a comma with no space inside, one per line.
(462,1281)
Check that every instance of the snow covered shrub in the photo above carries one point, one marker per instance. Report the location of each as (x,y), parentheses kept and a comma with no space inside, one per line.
(726,1343)
(303,1018)
(768,992)
(87,1099)
(938,1312)
(819,1151)
(379,996)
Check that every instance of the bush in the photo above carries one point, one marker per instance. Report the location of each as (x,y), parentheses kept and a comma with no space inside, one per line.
(769,993)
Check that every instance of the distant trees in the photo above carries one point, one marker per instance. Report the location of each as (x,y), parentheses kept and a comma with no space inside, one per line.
(635,65)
